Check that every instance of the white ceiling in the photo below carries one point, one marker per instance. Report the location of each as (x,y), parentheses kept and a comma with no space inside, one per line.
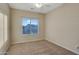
(31,7)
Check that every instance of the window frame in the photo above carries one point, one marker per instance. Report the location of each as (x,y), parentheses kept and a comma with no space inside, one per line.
(30,23)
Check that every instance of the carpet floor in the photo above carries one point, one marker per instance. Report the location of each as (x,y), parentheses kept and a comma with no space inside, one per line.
(41,47)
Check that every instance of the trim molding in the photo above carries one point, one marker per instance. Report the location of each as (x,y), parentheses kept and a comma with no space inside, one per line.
(63,47)
(27,41)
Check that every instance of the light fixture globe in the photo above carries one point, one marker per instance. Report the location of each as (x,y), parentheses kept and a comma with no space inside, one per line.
(38,5)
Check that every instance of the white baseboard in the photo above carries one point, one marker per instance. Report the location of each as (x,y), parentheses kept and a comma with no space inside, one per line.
(27,41)
(63,47)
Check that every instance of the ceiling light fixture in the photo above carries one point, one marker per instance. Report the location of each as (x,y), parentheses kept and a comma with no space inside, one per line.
(38,5)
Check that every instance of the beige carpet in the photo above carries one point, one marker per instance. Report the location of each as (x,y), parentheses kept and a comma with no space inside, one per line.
(42,47)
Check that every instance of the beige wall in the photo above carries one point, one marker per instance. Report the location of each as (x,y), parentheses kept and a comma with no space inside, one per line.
(16,26)
(4,8)
(62,26)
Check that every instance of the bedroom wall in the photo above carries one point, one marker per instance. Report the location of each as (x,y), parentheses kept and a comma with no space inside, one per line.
(62,26)
(16,26)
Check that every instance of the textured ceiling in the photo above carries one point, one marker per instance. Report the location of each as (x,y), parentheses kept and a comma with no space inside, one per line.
(31,7)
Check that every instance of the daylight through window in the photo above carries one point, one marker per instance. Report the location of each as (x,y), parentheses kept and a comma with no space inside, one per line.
(30,26)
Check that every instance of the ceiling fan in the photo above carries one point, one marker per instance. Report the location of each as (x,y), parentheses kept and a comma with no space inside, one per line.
(39,5)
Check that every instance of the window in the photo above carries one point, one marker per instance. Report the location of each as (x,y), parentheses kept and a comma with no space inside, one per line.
(30,26)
